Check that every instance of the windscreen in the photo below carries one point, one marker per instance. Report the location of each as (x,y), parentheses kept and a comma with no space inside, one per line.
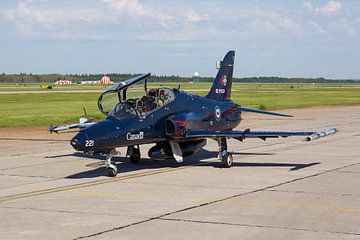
(123,111)
(108,101)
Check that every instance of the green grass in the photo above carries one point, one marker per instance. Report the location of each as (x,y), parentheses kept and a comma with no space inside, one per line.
(42,109)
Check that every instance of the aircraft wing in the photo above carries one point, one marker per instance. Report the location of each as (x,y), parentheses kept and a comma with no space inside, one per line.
(241,135)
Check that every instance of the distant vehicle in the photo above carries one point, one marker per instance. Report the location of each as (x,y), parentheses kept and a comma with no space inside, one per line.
(177,122)
(45,86)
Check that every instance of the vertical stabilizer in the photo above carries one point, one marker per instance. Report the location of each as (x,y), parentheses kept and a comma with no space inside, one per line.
(221,88)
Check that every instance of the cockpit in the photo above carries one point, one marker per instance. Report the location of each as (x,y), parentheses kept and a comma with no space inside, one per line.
(124,102)
(133,107)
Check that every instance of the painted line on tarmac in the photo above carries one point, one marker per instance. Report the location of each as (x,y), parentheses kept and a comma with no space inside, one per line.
(93,183)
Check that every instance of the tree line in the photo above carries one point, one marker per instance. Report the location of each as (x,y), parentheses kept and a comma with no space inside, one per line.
(118,77)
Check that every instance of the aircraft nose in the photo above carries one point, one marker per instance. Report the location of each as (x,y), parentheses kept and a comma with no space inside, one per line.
(78,142)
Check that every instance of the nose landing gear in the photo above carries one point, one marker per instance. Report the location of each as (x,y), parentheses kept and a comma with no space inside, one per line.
(111,169)
(132,151)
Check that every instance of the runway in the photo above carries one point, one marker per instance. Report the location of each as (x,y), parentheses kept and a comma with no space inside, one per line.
(277,189)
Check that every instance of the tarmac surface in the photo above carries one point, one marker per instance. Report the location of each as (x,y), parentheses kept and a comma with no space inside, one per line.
(277,189)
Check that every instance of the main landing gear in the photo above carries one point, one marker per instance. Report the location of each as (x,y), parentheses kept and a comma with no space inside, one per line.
(225,157)
(134,153)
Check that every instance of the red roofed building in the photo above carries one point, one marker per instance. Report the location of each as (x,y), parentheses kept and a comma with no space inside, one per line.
(105,80)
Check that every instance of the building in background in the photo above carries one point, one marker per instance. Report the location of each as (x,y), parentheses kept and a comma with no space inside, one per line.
(63,82)
(89,82)
(105,80)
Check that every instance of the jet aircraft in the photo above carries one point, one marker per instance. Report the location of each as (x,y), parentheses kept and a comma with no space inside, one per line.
(178,123)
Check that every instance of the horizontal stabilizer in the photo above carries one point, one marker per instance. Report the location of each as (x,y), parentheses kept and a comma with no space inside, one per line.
(254,110)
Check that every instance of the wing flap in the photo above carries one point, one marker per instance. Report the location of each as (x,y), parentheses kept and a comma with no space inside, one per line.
(240,135)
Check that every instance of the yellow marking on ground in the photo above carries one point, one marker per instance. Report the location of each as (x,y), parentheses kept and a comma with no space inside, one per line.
(93,183)
(147,197)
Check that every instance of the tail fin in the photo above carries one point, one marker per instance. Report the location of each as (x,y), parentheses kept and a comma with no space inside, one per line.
(221,88)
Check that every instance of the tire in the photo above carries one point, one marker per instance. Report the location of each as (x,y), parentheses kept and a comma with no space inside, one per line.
(227,160)
(135,156)
(111,172)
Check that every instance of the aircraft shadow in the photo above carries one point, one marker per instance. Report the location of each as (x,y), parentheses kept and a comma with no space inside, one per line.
(292,166)
(124,165)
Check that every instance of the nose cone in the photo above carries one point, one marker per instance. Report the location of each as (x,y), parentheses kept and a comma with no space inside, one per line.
(78,142)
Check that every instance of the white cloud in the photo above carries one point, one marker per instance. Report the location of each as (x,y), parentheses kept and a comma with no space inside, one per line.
(193,16)
(132,8)
(32,20)
(331,7)
(318,29)
(135,19)
(343,25)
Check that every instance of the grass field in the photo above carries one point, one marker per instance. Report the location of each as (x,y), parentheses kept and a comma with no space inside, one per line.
(57,107)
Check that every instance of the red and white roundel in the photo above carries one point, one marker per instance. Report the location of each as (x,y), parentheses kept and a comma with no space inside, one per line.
(223,80)
(217,113)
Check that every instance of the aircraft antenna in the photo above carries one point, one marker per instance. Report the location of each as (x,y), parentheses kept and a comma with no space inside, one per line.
(85,112)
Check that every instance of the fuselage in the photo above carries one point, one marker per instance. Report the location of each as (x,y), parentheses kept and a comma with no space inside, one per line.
(169,122)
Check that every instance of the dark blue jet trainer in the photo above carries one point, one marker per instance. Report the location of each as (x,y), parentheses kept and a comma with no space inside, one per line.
(177,122)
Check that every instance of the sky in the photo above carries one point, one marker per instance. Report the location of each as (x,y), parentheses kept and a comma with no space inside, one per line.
(270,38)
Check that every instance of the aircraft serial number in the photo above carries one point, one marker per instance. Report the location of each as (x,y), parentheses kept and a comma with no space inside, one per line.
(89,143)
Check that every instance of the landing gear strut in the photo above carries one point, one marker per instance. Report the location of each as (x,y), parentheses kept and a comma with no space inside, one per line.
(111,169)
(225,157)
(134,153)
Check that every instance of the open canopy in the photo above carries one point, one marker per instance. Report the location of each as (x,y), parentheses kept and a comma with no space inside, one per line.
(108,99)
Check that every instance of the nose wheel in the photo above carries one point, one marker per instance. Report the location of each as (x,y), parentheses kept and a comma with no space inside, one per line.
(111,169)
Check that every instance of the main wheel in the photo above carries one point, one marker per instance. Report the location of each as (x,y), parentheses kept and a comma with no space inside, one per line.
(135,155)
(112,172)
(227,160)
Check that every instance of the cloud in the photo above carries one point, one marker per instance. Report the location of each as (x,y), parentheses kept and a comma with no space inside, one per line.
(33,19)
(133,8)
(317,27)
(330,8)
(343,25)
(170,20)
(193,16)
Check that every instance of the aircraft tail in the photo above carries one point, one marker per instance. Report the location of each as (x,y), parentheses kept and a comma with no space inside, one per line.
(221,88)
